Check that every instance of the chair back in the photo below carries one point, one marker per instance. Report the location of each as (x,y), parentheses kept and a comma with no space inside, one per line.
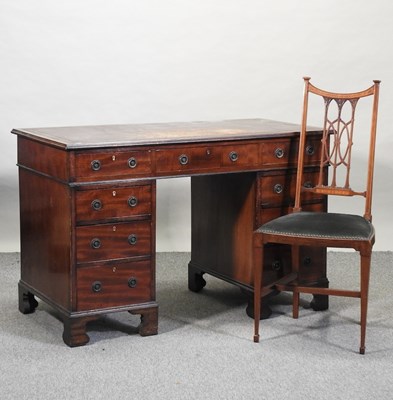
(337,142)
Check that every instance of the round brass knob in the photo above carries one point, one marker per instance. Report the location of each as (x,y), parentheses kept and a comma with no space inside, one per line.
(95,243)
(132,162)
(276,265)
(132,201)
(183,159)
(96,205)
(96,286)
(310,150)
(279,152)
(278,188)
(132,282)
(95,165)
(307,260)
(233,156)
(132,239)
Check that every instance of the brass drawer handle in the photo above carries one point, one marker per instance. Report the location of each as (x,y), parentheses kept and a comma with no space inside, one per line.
(95,243)
(96,204)
(132,282)
(276,265)
(96,286)
(233,156)
(132,239)
(95,165)
(308,185)
(183,159)
(278,188)
(307,261)
(279,152)
(132,162)
(132,201)
(310,150)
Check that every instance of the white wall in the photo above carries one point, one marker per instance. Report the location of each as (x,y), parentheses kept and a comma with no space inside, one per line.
(127,61)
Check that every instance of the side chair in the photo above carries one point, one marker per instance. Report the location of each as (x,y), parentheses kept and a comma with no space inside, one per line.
(325,229)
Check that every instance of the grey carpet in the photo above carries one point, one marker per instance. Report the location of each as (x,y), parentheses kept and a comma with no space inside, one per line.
(204,349)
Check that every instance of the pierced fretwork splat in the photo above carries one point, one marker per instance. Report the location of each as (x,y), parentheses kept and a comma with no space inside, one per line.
(340,130)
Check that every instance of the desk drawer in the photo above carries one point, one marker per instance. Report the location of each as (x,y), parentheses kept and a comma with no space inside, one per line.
(92,165)
(114,285)
(279,189)
(245,155)
(113,241)
(187,159)
(284,152)
(277,263)
(201,158)
(114,203)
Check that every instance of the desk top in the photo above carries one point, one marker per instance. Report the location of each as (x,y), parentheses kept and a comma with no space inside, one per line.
(83,137)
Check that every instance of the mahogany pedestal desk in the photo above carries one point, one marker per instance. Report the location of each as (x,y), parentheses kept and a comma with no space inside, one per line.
(87,211)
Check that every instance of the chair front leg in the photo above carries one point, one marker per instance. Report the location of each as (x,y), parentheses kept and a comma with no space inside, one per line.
(258,272)
(365,261)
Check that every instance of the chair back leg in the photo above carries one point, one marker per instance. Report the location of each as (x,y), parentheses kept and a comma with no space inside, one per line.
(295,255)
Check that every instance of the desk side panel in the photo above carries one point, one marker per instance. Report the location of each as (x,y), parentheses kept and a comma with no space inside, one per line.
(45,231)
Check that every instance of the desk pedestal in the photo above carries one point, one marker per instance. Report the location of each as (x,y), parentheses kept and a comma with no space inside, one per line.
(226,209)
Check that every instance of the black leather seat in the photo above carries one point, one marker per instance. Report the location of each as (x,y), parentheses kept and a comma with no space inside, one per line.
(320,225)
